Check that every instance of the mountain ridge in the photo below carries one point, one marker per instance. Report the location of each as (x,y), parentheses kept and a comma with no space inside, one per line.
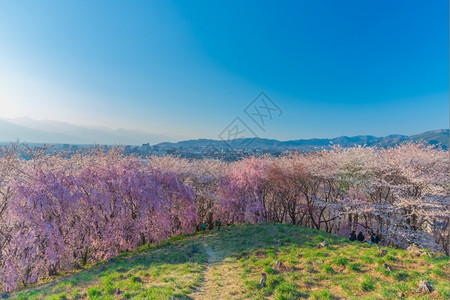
(55,132)
(439,137)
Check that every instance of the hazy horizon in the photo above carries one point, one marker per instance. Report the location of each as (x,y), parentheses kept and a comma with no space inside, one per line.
(48,131)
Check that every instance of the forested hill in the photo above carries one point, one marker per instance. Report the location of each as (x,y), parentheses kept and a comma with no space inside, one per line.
(436,137)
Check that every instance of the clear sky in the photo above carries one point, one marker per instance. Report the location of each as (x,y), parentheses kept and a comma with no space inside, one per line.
(188,68)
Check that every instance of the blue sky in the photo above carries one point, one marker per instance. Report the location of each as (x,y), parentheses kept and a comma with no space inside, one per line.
(188,68)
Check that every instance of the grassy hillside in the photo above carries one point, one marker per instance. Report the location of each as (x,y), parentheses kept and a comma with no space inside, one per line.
(229,263)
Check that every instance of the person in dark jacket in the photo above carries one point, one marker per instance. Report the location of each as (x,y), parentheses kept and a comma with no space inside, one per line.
(352,236)
(374,239)
(360,237)
(218,224)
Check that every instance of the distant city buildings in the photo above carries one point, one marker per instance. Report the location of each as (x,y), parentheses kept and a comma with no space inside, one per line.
(237,149)
(194,152)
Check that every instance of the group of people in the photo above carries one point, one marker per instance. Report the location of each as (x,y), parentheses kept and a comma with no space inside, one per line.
(218,224)
(373,239)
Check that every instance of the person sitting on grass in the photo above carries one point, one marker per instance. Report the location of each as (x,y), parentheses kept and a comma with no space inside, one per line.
(369,240)
(374,239)
(360,237)
(352,236)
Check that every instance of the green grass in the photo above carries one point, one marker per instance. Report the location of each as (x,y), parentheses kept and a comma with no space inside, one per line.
(343,270)
(368,283)
(287,290)
(322,295)
(151,272)
(341,261)
(328,269)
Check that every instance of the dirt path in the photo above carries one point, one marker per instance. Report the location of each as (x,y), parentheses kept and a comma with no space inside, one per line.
(222,278)
(206,289)
(212,257)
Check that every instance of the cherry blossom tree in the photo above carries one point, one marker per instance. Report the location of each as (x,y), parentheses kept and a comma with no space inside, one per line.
(202,176)
(242,192)
(60,219)
(59,211)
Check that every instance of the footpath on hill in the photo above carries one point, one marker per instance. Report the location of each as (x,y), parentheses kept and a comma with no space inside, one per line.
(229,264)
(221,280)
(298,266)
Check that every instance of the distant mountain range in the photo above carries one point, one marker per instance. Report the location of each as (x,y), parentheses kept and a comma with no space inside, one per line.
(29,130)
(436,137)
